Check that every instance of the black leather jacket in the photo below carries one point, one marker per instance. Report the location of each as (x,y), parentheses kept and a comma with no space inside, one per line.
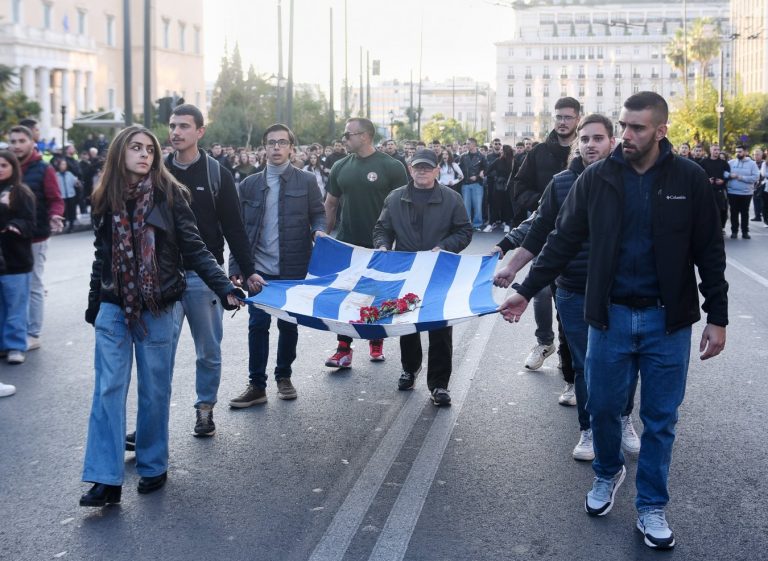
(176,239)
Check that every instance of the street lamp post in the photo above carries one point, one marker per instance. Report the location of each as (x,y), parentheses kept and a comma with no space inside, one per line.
(391,124)
(63,124)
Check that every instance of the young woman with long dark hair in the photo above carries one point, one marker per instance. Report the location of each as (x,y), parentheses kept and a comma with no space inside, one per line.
(17,220)
(144,228)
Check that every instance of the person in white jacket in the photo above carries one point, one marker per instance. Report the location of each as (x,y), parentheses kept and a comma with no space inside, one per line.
(450,172)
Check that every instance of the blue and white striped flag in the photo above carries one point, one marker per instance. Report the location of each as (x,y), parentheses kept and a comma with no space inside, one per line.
(343,278)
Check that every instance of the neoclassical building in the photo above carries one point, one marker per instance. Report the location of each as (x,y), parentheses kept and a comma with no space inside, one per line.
(70,53)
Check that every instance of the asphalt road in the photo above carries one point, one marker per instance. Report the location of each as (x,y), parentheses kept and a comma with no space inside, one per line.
(355,470)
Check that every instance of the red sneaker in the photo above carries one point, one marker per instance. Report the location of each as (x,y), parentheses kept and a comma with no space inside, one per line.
(342,358)
(377,350)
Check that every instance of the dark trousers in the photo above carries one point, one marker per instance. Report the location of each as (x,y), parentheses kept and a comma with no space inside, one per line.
(258,345)
(566,360)
(439,357)
(757,202)
(500,207)
(765,206)
(739,212)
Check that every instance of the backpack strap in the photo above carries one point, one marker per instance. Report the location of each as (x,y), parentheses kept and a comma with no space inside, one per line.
(213,167)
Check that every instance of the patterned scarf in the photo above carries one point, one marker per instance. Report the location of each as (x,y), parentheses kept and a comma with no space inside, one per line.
(136,276)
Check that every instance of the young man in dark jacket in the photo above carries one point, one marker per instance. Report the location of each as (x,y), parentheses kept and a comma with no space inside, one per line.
(540,165)
(422,216)
(282,209)
(650,217)
(595,138)
(217,212)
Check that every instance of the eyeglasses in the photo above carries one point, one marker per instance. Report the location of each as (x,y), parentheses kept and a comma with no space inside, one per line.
(282,143)
(347,135)
(564,118)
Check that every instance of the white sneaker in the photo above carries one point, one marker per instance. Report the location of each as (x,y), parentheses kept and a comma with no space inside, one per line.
(15,357)
(630,442)
(33,343)
(584,450)
(653,524)
(568,397)
(506,228)
(7,389)
(599,501)
(538,354)
(488,228)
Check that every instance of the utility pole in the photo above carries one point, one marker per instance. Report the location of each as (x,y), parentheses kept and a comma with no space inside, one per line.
(361,113)
(367,84)
(421,58)
(720,105)
(127,70)
(148,107)
(279,100)
(331,113)
(289,100)
(346,65)
(410,113)
(685,47)
(453,99)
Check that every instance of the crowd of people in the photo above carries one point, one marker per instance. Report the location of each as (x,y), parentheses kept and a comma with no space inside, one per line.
(600,220)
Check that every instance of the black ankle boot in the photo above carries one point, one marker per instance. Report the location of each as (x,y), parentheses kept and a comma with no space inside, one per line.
(101,495)
(149,484)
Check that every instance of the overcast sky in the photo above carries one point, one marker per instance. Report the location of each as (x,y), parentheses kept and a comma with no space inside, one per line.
(458,37)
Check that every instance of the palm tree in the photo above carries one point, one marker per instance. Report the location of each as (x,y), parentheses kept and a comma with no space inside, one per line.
(702,46)
(7,74)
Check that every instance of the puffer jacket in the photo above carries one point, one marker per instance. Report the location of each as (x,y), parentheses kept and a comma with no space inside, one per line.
(177,245)
(540,165)
(300,214)
(574,276)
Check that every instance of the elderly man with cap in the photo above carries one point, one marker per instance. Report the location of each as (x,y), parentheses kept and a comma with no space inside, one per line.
(424,216)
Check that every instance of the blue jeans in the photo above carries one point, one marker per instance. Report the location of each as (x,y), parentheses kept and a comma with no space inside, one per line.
(204,313)
(36,290)
(14,299)
(636,341)
(115,347)
(472,193)
(570,306)
(258,345)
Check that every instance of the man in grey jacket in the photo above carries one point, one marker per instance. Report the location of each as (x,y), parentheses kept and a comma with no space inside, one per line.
(283,213)
(422,216)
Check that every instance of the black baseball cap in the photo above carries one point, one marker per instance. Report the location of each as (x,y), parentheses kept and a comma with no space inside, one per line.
(424,156)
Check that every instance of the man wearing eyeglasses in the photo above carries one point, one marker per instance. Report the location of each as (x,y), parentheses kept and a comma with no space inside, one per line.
(421,216)
(539,166)
(362,180)
(283,213)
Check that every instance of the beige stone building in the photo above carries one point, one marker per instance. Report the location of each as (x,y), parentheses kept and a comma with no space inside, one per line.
(749,21)
(70,53)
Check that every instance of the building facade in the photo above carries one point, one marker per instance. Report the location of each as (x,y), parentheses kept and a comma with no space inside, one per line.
(599,52)
(749,22)
(467,101)
(70,53)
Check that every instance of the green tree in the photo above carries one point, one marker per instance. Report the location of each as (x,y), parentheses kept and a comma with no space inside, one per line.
(448,131)
(696,119)
(14,106)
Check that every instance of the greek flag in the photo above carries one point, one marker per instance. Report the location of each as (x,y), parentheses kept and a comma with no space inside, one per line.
(343,278)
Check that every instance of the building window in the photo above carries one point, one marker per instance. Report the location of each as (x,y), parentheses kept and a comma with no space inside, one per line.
(511,109)
(599,107)
(581,91)
(182,37)
(635,88)
(591,54)
(528,74)
(582,53)
(511,51)
(599,90)
(617,91)
(563,91)
(545,75)
(511,91)
(564,72)
(198,48)
(599,53)
(111,98)
(527,90)
(81,22)
(545,93)
(16,9)
(166,33)
(637,51)
(47,15)
(581,71)
(111,32)
(546,53)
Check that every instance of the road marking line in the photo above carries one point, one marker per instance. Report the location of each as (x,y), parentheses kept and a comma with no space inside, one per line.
(342,529)
(747,271)
(396,535)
